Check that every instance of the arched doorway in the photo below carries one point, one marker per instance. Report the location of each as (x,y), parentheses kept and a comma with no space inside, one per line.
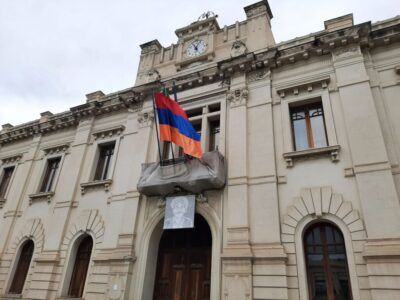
(184,263)
(81,266)
(22,268)
(326,262)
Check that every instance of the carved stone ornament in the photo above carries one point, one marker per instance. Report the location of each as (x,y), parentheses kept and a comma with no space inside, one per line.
(258,75)
(238,97)
(145,118)
(153,75)
(238,48)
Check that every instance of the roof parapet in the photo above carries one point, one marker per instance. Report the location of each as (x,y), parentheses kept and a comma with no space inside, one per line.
(258,9)
(339,23)
(153,45)
(94,96)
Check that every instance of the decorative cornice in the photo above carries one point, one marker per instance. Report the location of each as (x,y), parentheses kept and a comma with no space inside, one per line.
(121,100)
(364,36)
(305,84)
(11,159)
(108,132)
(61,148)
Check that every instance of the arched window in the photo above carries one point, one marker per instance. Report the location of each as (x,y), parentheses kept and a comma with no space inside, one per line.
(21,271)
(81,265)
(327,271)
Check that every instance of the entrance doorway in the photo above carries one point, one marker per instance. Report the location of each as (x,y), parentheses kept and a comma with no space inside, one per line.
(184,263)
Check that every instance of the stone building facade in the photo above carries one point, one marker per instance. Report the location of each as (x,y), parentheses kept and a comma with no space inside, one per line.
(309,128)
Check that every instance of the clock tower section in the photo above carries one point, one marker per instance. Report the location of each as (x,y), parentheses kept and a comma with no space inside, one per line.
(204,44)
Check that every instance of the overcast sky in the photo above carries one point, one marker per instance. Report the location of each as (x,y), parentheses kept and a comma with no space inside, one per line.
(52,52)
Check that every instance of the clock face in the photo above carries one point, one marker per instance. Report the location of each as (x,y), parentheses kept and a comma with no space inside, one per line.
(196,48)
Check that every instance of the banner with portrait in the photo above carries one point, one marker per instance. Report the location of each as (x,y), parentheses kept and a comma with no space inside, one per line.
(179,212)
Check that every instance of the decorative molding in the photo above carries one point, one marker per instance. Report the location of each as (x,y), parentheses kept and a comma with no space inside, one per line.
(96,184)
(317,202)
(238,48)
(33,229)
(333,151)
(89,221)
(303,85)
(258,75)
(237,97)
(145,118)
(62,148)
(108,132)
(40,196)
(10,160)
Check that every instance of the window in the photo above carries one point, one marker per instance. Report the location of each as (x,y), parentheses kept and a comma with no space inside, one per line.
(50,174)
(166,151)
(5,181)
(308,126)
(21,271)
(104,162)
(214,135)
(326,261)
(81,265)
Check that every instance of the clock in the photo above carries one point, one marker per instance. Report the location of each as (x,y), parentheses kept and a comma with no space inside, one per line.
(196,48)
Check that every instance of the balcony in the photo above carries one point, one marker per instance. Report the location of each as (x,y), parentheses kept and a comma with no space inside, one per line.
(188,175)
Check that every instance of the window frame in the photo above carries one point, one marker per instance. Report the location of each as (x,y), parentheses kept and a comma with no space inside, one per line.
(43,168)
(93,155)
(54,175)
(310,97)
(300,254)
(108,174)
(2,170)
(306,107)
(324,244)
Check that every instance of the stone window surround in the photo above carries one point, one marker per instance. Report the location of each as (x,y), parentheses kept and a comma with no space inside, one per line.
(94,157)
(48,154)
(6,163)
(288,147)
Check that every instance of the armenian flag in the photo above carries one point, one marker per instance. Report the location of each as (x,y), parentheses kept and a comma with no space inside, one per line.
(175,126)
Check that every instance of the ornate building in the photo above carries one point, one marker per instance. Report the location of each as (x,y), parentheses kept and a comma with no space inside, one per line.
(309,129)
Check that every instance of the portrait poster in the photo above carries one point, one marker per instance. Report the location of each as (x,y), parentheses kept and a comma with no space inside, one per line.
(179,212)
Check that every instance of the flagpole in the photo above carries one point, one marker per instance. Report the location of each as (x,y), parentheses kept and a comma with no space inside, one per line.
(155,120)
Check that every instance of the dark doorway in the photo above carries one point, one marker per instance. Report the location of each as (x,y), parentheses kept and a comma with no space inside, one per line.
(22,268)
(327,271)
(81,266)
(184,263)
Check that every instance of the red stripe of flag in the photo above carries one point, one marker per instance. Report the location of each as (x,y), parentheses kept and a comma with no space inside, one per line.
(167,103)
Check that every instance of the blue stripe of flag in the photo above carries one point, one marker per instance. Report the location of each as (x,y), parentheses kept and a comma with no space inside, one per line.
(166,117)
